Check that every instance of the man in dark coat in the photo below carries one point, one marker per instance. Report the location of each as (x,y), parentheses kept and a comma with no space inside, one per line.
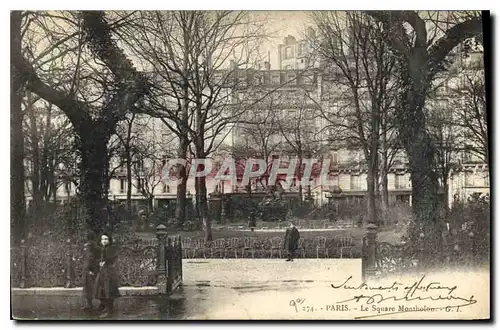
(90,268)
(291,240)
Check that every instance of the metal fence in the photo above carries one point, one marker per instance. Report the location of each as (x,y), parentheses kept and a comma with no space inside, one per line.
(46,263)
(464,251)
(341,246)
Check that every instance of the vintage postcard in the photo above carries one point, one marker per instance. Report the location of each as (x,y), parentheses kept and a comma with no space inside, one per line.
(250,165)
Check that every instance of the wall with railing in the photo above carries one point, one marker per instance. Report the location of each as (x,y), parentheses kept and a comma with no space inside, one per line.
(464,249)
(43,263)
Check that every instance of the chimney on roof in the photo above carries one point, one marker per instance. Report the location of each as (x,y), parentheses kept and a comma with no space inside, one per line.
(311,33)
(290,40)
(232,65)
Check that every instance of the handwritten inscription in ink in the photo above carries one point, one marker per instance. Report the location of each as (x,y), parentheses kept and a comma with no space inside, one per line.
(369,300)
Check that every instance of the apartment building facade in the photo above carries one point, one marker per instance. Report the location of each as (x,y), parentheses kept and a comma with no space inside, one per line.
(291,93)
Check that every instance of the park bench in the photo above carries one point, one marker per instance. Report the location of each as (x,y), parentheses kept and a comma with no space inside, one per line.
(276,245)
(344,243)
(321,246)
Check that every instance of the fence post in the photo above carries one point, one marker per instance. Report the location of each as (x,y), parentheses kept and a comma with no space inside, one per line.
(24,263)
(161,262)
(69,265)
(170,264)
(180,255)
(363,257)
(371,244)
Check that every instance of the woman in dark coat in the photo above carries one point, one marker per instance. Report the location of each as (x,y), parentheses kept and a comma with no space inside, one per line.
(107,282)
(90,269)
(291,241)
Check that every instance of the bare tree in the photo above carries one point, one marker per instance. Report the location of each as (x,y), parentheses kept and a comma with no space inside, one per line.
(127,137)
(442,129)
(257,134)
(421,45)
(469,102)
(299,130)
(389,148)
(149,159)
(94,109)
(17,208)
(48,143)
(353,47)
(188,53)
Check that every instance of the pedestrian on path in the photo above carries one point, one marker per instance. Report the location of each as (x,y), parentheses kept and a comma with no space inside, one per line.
(90,268)
(107,281)
(291,241)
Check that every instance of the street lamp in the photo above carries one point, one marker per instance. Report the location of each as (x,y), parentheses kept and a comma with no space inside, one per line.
(190,205)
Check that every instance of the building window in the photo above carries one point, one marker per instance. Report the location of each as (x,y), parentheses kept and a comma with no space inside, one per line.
(302,49)
(335,158)
(442,104)
(282,78)
(166,188)
(469,179)
(122,185)
(140,165)
(288,53)
(67,186)
(442,90)
(139,183)
(403,199)
(467,154)
(355,182)
(266,78)
(401,181)
(288,67)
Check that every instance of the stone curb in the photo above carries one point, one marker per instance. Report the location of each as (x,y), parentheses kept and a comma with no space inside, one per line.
(60,291)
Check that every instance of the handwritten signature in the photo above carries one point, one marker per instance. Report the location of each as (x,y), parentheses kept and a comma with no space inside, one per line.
(418,291)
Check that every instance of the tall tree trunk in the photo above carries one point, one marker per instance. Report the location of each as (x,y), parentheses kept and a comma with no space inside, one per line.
(384,169)
(129,178)
(17,198)
(301,200)
(128,163)
(180,208)
(93,148)
(372,203)
(201,194)
(150,203)
(105,189)
(47,167)
(35,157)
(53,185)
(202,205)
(446,200)
(385,185)
(421,154)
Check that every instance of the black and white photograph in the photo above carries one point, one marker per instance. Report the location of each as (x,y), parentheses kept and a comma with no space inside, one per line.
(250,165)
